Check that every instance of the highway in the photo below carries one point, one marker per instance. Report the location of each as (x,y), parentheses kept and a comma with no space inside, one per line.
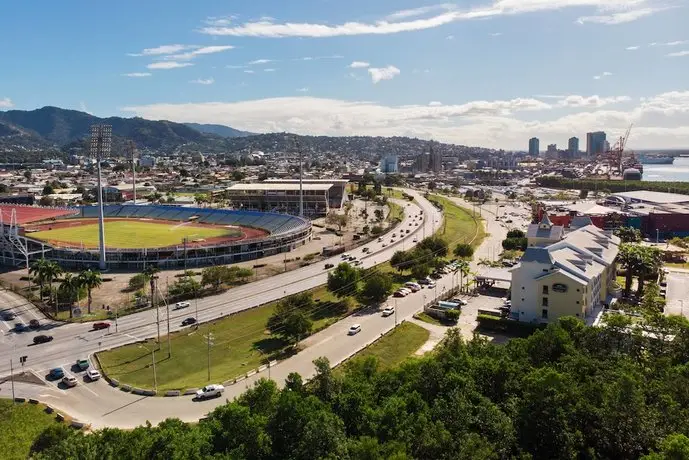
(101,405)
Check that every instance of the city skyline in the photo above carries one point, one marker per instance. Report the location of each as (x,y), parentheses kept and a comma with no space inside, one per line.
(386,69)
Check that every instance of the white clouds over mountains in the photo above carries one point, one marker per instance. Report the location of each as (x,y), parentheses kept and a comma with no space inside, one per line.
(6,103)
(660,121)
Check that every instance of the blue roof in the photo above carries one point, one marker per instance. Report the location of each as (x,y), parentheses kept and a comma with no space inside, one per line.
(540,255)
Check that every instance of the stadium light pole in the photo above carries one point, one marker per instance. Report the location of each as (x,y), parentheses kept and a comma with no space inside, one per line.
(132,153)
(100,146)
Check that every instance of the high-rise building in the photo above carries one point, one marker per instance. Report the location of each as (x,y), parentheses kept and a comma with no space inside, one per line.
(421,163)
(389,164)
(534,146)
(436,160)
(573,147)
(595,143)
(551,153)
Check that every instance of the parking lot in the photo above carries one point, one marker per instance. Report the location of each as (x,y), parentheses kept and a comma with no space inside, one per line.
(677,294)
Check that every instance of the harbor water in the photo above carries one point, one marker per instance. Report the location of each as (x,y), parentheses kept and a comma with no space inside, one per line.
(676,172)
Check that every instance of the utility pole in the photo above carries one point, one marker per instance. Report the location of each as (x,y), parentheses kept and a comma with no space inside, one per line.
(153,304)
(12,378)
(209,340)
(101,136)
(167,308)
(132,155)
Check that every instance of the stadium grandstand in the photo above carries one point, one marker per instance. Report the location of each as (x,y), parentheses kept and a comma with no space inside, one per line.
(261,234)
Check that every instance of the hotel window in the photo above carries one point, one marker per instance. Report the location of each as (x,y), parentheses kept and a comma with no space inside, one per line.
(545,290)
(544,314)
(544,301)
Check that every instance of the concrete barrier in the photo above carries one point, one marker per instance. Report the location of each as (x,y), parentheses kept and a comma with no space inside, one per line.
(250,373)
(262,368)
(113,383)
(272,363)
(33,401)
(173,393)
(126,388)
(49,410)
(191,391)
(239,379)
(59,417)
(138,391)
(149,392)
(20,400)
(77,425)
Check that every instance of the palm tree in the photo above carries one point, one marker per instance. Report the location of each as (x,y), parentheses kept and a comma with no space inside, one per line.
(150,272)
(464,269)
(70,286)
(629,257)
(90,279)
(651,261)
(37,271)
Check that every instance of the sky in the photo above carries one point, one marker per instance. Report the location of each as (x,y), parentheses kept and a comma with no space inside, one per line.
(489,73)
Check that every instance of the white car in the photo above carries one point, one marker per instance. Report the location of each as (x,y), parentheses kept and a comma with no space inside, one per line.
(70,381)
(93,375)
(210,391)
(354,329)
(431,285)
(387,311)
(412,286)
(180,305)
(345,256)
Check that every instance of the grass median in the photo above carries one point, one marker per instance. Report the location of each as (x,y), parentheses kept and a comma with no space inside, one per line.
(395,347)
(20,425)
(459,225)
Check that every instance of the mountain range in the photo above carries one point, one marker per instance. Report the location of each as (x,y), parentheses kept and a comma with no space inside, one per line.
(41,133)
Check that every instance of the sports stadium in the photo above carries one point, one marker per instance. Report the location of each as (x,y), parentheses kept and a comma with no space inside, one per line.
(138,236)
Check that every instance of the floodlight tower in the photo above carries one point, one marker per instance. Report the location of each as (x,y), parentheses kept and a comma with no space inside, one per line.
(131,150)
(101,136)
(301,178)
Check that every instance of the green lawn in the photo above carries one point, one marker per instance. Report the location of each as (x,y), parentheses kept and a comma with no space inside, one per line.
(241,343)
(396,346)
(20,424)
(132,234)
(426,318)
(459,226)
(396,212)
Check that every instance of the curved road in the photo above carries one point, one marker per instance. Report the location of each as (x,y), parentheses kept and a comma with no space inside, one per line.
(101,405)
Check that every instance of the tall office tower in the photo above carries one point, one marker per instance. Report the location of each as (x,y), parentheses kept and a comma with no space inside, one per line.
(436,160)
(573,147)
(534,147)
(595,143)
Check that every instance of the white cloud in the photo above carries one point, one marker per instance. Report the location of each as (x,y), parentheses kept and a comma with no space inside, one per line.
(661,121)
(678,54)
(632,48)
(6,103)
(164,49)
(137,74)
(591,101)
(359,65)
(603,75)
(203,81)
(235,66)
(608,12)
(676,43)
(199,52)
(435,104)
(450,37)
(303,90)
(83,108)
(383,73)
(260,61)
(248,71)
(269,70)
(496,34)
(168,65)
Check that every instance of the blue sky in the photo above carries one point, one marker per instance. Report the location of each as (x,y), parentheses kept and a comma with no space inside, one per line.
(491,73)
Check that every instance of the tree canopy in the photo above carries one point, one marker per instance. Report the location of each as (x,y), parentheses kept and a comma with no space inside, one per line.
(344,280)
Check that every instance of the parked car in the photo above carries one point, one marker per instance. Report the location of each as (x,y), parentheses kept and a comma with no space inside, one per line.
(100,325)
(34,324)
(329,266)
(180,305)
(354,329)
(8,315)
(189,321)
(387,311)
(414,287)
(431,285)
(20,327)
(56,373)
(210,391)
(93,375)
(461,302)
(70,381)
(83,364)
(398,293)
(42,339)
(424,282)
(380,239)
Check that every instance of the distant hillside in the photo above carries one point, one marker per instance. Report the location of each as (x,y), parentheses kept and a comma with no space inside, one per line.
(56,127)
(220,130)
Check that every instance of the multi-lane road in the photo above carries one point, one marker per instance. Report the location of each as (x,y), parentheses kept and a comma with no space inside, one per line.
(101,405)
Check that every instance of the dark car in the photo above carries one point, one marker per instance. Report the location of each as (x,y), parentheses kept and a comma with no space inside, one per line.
(42,339)
(34,324)
(101,325)
(20,327)
(189,322)
(328,266)
(56,373)
(8,315)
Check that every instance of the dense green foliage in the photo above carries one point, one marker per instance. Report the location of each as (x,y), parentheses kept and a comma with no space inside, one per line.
(344,280)
(628,234)
(568,391)
(611,185)
(291,320)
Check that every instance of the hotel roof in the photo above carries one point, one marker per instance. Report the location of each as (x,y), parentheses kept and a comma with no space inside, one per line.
(280,187)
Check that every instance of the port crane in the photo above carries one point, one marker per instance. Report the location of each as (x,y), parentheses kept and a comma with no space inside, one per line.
(615,154)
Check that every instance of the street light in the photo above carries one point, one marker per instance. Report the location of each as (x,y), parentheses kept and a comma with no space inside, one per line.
(153,355)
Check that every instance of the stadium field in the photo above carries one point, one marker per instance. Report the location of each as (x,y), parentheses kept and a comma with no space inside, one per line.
(130,233)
